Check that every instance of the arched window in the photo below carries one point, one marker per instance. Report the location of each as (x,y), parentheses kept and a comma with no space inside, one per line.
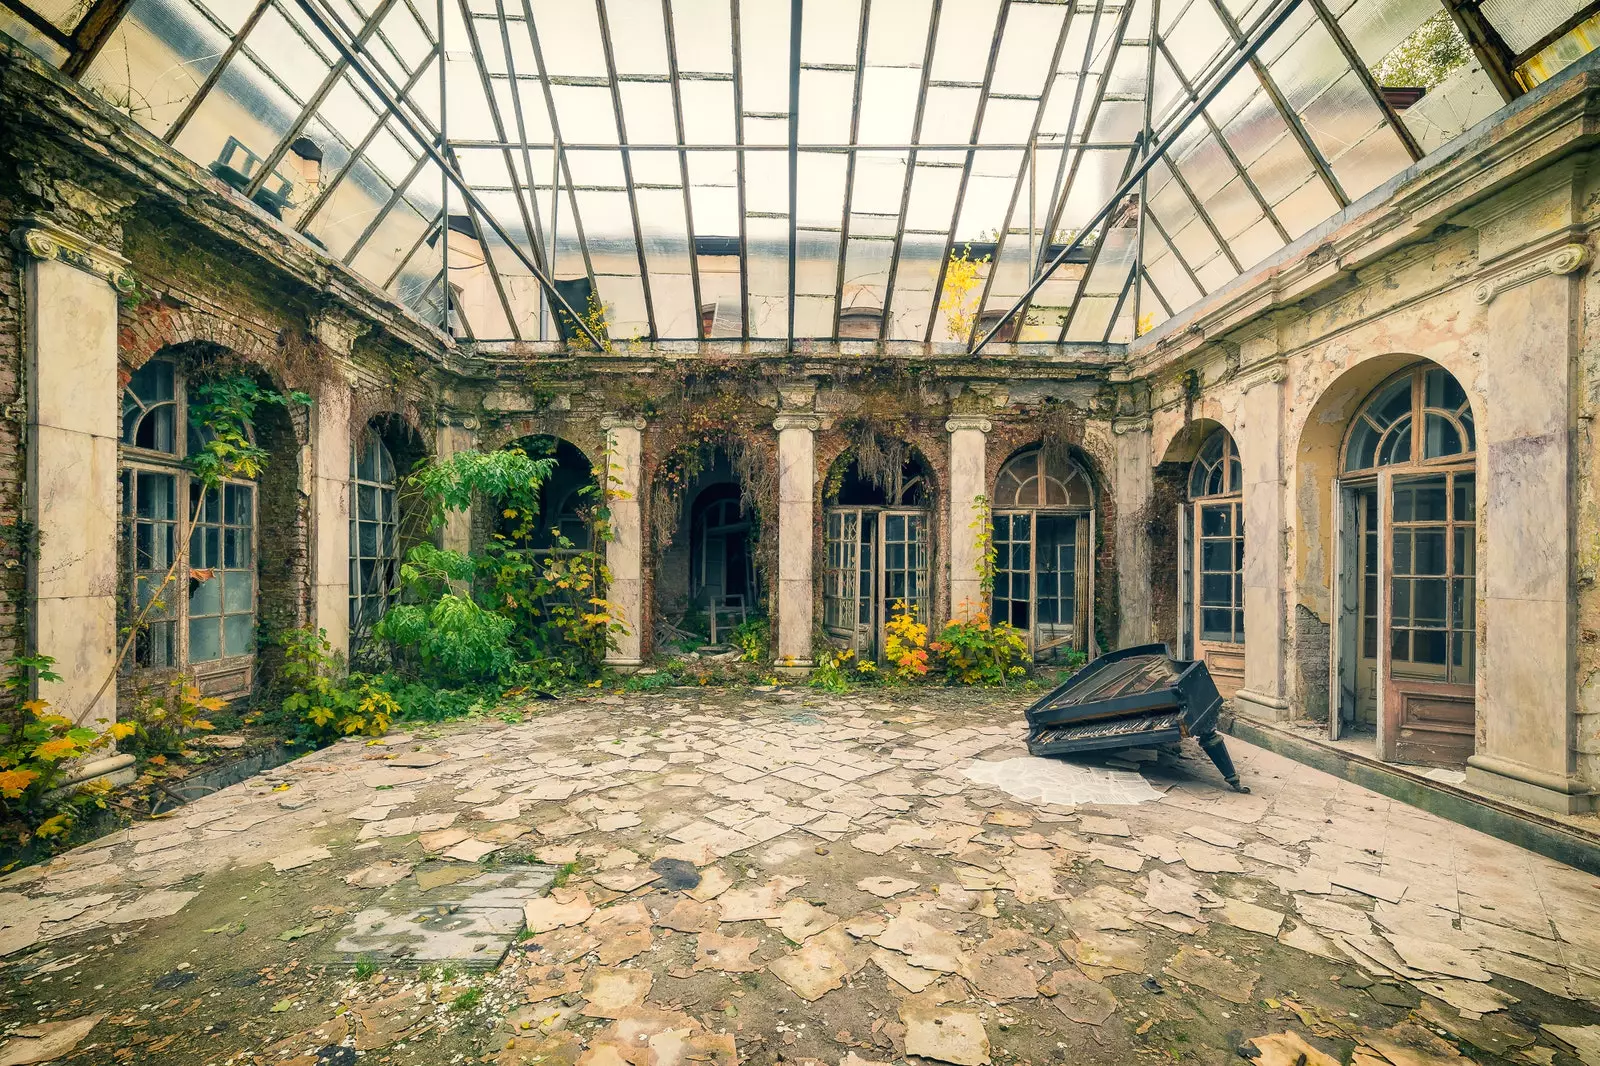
(1211,563)
(1043,533)
(1406,569)
(876,533)
(374,519)
(205,615)
(1031,479)
(1382,434)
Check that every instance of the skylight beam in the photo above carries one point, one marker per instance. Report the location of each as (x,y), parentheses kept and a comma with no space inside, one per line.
(608,49)
(911,173)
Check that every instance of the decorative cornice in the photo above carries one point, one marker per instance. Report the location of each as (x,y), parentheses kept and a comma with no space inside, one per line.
(1564,260)
(797,420)
(1120,426)
(957,423)
(611,422)
(44,240)
(1270,375)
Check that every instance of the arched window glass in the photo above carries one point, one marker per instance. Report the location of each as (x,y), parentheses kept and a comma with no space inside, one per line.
(1383,433)
(150,408)
(1032,480)
(1216,470)
(374,551)
(204,611)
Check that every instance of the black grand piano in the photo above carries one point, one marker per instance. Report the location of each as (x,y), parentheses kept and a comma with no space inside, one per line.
(1134,698)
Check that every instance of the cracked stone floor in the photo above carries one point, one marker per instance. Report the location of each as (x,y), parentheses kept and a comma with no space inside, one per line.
(713,877)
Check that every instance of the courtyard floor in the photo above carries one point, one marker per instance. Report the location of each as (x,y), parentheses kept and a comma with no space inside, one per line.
(714,877)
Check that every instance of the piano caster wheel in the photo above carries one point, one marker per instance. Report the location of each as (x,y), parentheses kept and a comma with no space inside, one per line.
(1233,783)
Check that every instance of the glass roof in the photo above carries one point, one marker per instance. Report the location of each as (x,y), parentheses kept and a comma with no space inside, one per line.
(902,171)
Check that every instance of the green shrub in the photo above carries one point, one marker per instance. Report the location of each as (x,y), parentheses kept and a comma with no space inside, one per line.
(753,638)
(325,706)
(975,652)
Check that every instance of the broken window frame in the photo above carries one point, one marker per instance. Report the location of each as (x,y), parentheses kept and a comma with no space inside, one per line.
(1015,527)
(225,674)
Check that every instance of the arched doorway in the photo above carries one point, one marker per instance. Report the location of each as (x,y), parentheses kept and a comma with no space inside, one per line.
(1044,539)
(1405,571)
(384,522)
(1211,563)
(722,569)
(567,499)
(876,535)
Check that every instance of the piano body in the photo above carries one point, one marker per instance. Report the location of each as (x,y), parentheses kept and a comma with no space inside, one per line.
(1134,698)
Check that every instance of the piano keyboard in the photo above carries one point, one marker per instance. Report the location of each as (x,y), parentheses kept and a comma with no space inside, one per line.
(1136,729)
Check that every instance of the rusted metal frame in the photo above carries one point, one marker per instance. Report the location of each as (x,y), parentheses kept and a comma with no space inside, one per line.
(1488,46)
(395,197)
(1094,254)
(1297,128)
(1122,298)
(477,214)
(516,186)
(359,152)
(738,138)
(1166,239)
(977,128)
(444,179)
(439,154)
(531,213)
(683,164)
(1203,215)
(214,75)
(561,153)
(1244,54)
(487,82)
(796,26)
(1022,176)
(1144,182)
(406,260)
(42,26)
(1059,198)
(1572,22)
(1072,124)
(1368,82)
(911,174)
(314,101)
(627,165)
(91,33)
(850,163)
(835,149)
(1227,149)
(1147,280)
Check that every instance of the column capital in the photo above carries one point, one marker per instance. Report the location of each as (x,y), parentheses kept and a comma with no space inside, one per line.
(956,423)
(44,240)
(1567,259)
(611,422)
(797,420)
(338,329)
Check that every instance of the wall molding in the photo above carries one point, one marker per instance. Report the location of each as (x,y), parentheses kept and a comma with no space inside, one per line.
(797,420)
(1567,259)
(47,242)
(957,423)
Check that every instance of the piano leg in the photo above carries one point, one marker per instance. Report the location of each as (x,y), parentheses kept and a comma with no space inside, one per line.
(1214,747)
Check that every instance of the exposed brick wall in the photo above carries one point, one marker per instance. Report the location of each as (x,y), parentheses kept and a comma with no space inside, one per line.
(1168,491)
(14,531)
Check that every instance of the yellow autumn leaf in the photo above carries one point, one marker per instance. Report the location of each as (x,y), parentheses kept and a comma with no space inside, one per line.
(59,748)
(35,706)
(212,703)
(14,782)
(54,826)
(119,730)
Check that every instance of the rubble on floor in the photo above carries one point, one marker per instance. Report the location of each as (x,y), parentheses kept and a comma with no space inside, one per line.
(696,877)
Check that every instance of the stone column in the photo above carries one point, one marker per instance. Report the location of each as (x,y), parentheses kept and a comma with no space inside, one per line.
(625,551)
(71,384)
(797,477)
(1266,565)
(330,513)
(1131,441)
(457,524)
(968,485)
(1527,662)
